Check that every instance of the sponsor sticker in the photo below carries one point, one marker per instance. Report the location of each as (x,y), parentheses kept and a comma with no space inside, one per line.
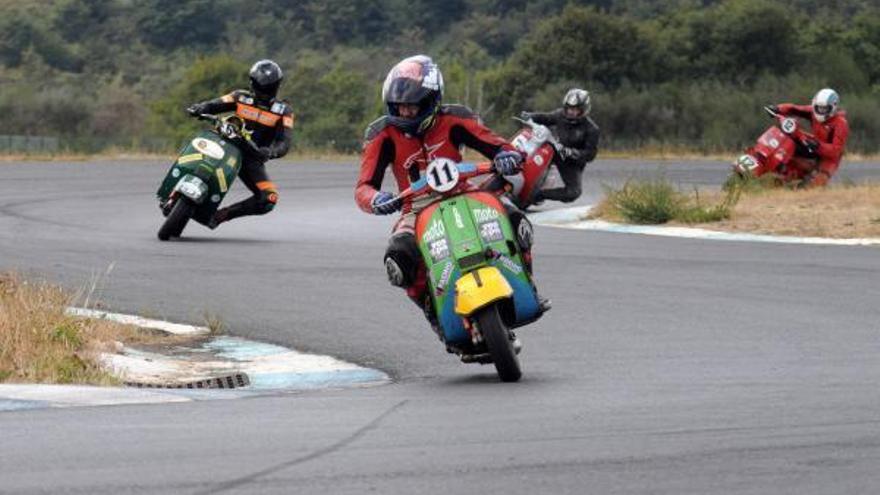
(491,231)
(434,232)
(209,148)
(485,214)
(439,250)
(459,222)
(192,157)
(511,265)
(445,275)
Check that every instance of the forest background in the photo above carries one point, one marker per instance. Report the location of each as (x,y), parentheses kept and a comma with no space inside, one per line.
(675,74)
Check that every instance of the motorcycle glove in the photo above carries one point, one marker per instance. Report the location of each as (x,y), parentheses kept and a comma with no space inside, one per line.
(508,162)
(384,203)
(812,147)
(195,109)
(525,115)
(261,152)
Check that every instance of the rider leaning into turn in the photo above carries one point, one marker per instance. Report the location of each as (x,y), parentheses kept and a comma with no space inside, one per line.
(416,130)
(818,159)
(271,121)
(579,136)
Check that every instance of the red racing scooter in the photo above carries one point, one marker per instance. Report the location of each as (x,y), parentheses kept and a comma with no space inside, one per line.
(774,152)
(541,150)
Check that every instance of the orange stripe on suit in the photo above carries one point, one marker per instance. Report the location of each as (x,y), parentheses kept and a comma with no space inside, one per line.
(254,114)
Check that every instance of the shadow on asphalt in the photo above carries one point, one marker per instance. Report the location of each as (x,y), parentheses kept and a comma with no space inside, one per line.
(487,376)
(223,240)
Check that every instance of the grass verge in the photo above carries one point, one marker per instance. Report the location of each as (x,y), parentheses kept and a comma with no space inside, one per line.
(39,343)
(657,201)
(841,211)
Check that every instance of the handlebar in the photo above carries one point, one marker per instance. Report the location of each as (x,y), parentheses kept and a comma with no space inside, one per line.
(465,171)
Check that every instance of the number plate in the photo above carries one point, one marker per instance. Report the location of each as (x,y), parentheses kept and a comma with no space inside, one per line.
(442,175)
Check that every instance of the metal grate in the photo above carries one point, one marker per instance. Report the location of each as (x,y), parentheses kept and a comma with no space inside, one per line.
(236,380)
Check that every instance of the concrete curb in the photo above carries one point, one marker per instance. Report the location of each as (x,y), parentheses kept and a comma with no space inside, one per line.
(573,218)
(269,368)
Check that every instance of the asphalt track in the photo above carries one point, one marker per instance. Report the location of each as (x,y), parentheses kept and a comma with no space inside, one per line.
(667,366)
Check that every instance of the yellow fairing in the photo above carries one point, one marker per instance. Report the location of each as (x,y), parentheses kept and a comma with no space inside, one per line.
(479,288)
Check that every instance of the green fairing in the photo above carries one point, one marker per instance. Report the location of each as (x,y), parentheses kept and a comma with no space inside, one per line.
(463,239)
(205,169)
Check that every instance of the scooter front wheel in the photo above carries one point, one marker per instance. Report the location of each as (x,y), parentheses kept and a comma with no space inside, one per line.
(176,221)
(497,338)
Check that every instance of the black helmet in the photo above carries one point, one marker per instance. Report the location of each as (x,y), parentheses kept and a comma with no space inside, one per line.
(579,100)
(413,81)
(266,77)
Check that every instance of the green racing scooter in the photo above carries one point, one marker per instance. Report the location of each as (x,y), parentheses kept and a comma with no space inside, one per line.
(201,176)
(477,276)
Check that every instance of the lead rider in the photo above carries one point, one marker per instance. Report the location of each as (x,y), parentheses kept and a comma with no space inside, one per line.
(416,130)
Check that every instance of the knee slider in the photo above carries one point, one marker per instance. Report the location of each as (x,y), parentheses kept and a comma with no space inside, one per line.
(401,264)
(267,201)
(525,234)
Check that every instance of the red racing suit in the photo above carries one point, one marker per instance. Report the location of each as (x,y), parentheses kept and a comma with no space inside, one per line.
(408,156)
(831,136)
(386,146)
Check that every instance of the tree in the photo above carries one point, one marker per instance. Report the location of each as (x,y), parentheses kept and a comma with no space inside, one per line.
(207,78)
(168,24)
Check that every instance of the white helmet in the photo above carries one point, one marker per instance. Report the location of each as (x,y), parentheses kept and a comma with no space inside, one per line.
(825,104)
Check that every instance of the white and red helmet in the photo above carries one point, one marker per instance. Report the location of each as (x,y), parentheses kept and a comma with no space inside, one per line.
(825,104)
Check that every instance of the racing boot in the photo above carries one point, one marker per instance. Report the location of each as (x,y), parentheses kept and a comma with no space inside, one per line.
(219,217)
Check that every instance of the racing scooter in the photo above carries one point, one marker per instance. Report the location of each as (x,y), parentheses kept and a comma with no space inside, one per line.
(542,151)
(774,152)
(477,277)
(201,176)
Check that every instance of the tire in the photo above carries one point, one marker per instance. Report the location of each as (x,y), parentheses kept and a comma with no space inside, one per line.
(176,221)
(497,338)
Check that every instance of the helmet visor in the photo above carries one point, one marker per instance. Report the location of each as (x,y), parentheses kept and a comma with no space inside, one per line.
(823,110)
(574,112)
(407,91)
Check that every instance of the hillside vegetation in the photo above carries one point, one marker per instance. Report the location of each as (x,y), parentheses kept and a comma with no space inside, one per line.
(683,73)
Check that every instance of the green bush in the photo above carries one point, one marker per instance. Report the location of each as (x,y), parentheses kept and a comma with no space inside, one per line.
(657,201)
(651,202)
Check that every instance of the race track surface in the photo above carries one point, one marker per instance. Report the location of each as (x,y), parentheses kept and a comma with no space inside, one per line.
(667,366)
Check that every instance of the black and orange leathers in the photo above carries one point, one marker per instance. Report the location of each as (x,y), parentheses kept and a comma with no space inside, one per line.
(831,136)
(272,126)
(408,156)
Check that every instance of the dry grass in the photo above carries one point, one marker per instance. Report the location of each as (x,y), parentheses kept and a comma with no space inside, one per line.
(839,212)
(39,343)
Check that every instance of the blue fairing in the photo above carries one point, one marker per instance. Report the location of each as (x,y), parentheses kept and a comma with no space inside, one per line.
(525,301)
